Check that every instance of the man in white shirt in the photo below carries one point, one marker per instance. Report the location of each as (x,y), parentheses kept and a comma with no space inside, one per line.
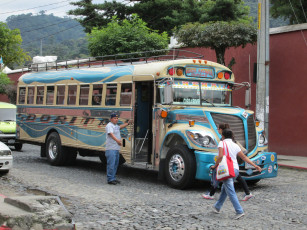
(113,143)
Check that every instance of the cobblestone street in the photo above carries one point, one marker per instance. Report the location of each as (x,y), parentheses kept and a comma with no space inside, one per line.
(142,202)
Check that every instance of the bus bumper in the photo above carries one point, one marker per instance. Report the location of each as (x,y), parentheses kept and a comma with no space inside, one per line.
(266,160)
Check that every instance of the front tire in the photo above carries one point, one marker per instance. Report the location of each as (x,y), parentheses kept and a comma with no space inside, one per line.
(18,146)
(180,167)
(54,150)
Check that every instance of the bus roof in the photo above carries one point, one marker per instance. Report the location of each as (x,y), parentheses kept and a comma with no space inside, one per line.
(4,105)
(112,73)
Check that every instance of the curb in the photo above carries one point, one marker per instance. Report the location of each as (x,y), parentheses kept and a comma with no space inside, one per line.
(292,166)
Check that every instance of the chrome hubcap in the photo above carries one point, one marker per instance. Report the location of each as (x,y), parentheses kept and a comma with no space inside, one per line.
(176,167)
(52,149)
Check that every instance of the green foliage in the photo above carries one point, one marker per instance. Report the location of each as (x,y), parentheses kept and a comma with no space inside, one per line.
(226,10)
(70,43)
(217,35)
(125,36)
(4,82)
(283,9)
(10,46)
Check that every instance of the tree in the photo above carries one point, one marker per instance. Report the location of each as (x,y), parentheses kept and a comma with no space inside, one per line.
(226,10)
(125,36)
(98,15)
(284,9)
(5,81)
(10,46)
(161,15)
(217,35)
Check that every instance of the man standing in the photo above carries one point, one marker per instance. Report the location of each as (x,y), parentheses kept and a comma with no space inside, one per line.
(113,143)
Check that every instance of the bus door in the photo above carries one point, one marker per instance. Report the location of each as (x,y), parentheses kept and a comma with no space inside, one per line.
(143,122)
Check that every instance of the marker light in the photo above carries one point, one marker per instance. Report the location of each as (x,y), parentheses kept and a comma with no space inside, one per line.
(257,123)
(163,114)
(199,61)
(191,123)
(179,72)
(227,76)
(194,61)
(171,71)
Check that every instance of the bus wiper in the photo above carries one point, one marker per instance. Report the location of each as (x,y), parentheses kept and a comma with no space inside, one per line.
(206,100)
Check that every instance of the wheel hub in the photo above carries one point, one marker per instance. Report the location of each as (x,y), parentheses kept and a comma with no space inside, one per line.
(52,150)
(176,167)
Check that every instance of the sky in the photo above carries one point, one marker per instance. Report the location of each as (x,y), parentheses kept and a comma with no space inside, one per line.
(16,7)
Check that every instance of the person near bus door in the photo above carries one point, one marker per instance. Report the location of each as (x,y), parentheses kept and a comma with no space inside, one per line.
(113,143)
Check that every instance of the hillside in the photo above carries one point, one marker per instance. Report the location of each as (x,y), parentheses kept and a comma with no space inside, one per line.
(62,37)
(253,4)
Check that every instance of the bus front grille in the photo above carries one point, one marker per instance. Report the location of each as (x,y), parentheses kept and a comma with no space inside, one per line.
(237,126)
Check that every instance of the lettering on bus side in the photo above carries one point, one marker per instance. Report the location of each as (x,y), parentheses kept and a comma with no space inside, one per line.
(45,118)
(31,117)
(88,119)
(60,119)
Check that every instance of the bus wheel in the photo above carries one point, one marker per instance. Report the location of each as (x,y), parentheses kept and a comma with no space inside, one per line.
(18,146)
(54,150)
(180,167)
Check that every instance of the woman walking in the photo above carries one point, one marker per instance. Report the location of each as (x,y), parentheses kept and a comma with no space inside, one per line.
(228,184)
(248,194)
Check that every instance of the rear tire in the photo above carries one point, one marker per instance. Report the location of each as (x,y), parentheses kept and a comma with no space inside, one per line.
(18,146)
(180,167)
(54,150)
(71,155)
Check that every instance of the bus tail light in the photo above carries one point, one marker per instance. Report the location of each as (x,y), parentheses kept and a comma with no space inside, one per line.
(179,72)
(171,71)
(220,75)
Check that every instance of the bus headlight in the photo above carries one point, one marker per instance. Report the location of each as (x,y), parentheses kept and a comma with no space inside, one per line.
(261,139)
(202,138)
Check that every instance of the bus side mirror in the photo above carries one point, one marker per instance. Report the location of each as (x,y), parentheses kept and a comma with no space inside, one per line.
(247,98)
(168,94)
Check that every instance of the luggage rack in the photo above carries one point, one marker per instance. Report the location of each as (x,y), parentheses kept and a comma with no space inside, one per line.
(117,59)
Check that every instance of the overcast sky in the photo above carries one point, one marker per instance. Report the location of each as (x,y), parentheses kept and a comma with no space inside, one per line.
(16,7)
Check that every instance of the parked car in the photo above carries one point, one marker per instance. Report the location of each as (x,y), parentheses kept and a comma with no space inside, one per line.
(8,125)
(6,158)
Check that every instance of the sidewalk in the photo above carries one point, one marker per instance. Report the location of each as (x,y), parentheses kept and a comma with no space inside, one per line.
(296,162)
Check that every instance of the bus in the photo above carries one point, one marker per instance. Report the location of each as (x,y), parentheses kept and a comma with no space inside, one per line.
(176,103)
(8,125)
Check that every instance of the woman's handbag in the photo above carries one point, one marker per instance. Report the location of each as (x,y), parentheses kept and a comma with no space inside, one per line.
(225,168)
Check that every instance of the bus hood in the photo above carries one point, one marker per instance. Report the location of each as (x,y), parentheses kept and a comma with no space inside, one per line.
(190,113)
(8,126)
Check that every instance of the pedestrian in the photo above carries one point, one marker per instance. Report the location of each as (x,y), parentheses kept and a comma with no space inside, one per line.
(228,184)
(113,143)
(214,186)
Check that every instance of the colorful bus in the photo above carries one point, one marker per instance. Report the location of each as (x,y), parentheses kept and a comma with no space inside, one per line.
(175,104)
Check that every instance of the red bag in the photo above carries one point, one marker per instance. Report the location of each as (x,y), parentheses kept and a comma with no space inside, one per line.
(225,169)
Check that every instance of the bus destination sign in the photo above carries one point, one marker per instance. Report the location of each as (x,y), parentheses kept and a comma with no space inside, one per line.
(199,72)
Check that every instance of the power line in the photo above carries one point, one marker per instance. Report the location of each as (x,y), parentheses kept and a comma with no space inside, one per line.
(303,10)
(34,7)
(298,22)
(71,20)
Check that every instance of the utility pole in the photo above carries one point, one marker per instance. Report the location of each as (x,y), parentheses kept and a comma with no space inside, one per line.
(263,60)
(41,53)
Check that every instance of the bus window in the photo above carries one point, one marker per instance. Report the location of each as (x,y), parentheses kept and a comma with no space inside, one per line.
(50,95)
(40,95)
(60,95)
(125,95)
(97,94)
(84,91)
(30,99)
(111,94)
(72,95)
(22,95)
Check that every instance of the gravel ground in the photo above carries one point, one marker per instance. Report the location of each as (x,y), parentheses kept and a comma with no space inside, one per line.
(142,202)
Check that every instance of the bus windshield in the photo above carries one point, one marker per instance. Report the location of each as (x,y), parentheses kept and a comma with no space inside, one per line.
(200,93)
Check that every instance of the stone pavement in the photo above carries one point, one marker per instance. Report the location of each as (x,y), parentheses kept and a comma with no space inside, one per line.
(296,162)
